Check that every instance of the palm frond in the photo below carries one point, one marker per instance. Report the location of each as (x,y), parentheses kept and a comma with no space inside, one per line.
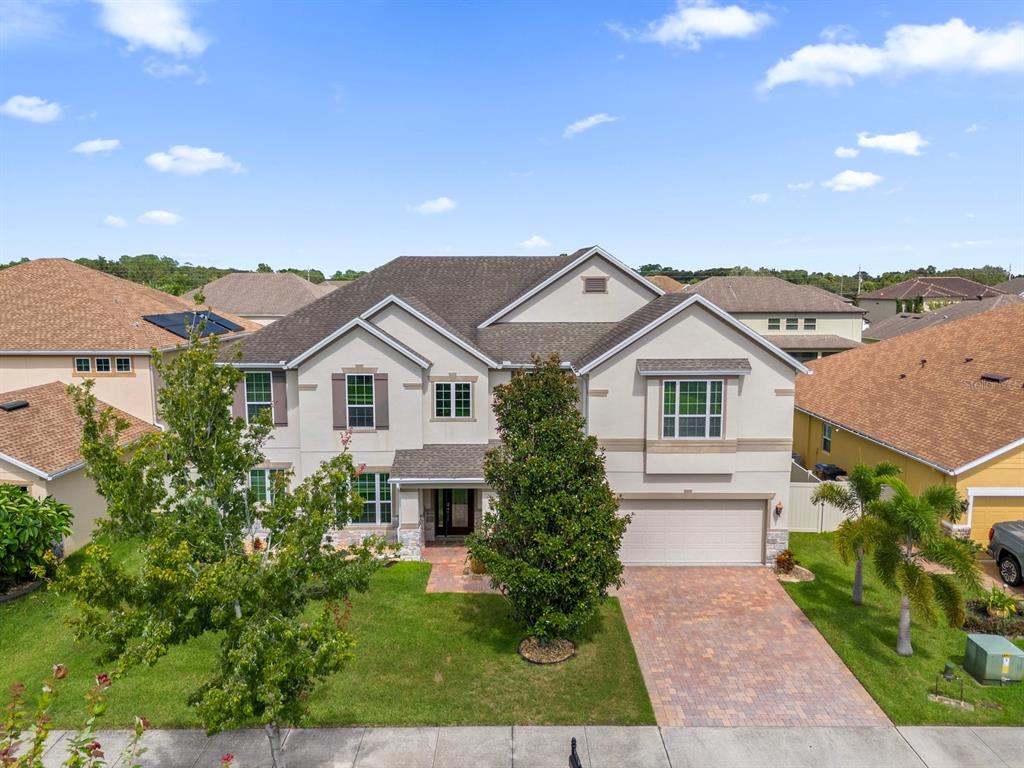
(887,558)
(950,597)
(916,584)
(887,469)
(837,495)
(943,499)
(958,556)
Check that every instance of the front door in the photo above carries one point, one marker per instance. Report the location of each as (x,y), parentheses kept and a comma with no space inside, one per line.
(454,511)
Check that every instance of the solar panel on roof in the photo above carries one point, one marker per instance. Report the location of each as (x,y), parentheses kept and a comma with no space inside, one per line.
(181,323)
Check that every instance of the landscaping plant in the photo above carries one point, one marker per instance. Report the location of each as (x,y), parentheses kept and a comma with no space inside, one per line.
(905,530)
(853,498)
(278,610)
(551,541)
(29,529)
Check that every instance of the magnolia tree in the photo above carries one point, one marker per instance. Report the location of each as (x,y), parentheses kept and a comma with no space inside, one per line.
(276,603)
(551,542)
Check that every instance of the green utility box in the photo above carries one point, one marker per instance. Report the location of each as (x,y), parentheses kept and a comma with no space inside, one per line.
(992,660)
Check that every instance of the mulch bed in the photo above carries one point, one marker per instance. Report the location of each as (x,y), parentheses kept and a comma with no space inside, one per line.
(554,652)
(20,590)
(978,620)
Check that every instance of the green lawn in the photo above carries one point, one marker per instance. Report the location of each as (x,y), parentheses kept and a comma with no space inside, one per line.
(865,638)
(437,659)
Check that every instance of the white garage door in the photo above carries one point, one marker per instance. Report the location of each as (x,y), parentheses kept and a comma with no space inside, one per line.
(693,532)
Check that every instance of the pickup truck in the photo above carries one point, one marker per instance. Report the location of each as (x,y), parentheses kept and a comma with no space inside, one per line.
(1006,545)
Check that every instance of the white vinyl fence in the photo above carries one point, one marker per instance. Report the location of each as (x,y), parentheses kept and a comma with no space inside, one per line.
(804,515)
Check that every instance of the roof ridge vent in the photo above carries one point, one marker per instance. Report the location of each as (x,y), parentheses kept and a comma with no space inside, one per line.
(13,405)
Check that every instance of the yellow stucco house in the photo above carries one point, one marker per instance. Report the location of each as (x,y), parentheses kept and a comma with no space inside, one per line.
(946,404)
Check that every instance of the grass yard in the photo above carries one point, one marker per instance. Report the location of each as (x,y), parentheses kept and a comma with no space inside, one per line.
(865,638)
(437,659)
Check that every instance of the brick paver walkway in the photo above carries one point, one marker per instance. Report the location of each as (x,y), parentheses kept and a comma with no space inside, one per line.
(448,570)
(727,647)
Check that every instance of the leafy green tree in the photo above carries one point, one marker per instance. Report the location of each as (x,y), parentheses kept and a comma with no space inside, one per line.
(262,576)
(348,274)
(29,530)
(314,276)
(852,499)
(261,267)
(906,530)
(551,542)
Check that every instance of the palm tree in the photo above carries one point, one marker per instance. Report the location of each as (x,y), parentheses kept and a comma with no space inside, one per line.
(852,498)
(904,530)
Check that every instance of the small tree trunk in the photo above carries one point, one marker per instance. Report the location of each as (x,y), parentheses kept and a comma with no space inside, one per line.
(858,578)
(903,646)
(276,748)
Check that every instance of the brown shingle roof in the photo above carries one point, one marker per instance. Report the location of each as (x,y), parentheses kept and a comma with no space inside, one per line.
(47,433)
(451,461)
(908,322)
(810,341)
(1015,286)
(763,293)
(518,342)
(274,294)
(933,288)
(694,365)
(940,411)
(55,304)
(666,283)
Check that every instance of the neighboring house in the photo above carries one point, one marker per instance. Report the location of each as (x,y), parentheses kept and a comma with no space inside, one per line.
(908,322)
(61,321)
(40,434)
(262,297)
(693,409)
(806,321)
(921,294)
(1014,286)
(666,283)
(946,404)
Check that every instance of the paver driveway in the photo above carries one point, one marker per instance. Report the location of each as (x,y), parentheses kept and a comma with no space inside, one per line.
(727,647)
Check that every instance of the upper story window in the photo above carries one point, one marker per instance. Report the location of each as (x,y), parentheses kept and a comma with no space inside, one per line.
(376,492)
(83,365)
(453,400)
(258,393)
(595,285)
(774,323)
(102,365)
(792,323)
(359,399)
(123,364)
(826,438)
(692,409)
(810,323)
(262,483)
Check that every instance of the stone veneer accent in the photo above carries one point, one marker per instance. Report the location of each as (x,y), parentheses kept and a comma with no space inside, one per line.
(775,542)
(410,538)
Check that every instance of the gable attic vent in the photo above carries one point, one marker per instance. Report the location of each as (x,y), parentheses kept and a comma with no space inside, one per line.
(14,405)
(996,378)
(595,285)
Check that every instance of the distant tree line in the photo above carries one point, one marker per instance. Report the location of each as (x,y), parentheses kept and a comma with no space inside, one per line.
(166,274)
(845,285)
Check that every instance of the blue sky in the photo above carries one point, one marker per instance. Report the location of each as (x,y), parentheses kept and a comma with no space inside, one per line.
(340,135)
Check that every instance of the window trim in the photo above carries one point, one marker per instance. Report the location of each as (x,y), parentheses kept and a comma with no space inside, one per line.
(110,364)
(269,403)
(117,363)
(268,481)
(826,437)
(88,365)
(377,502)
(774,323)
(792,323)
(372,406)
(707,415)
(452,400)
(810,323)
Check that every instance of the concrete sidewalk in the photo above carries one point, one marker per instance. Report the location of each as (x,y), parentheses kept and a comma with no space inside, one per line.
(599,747)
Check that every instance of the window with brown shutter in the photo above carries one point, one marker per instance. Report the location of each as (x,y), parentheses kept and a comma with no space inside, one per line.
(595,285)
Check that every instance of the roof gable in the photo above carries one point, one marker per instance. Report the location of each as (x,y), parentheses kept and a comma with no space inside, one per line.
(765,293)
(929,287)
(261,293)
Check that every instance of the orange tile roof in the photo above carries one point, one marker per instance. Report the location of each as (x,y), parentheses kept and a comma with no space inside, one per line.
(922,393)
(55,304)
(46,434)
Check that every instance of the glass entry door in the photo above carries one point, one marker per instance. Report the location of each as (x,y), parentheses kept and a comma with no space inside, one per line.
(454,511)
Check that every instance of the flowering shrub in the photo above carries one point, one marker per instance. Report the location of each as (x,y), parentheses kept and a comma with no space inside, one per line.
(29,528)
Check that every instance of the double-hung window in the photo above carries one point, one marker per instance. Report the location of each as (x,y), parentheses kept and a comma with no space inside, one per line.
(692,409)
(774,323)
(453,399)
(826,438)
(258,393)
(810,323)
(376,492)
(262,483)
(792,323)
(359,391)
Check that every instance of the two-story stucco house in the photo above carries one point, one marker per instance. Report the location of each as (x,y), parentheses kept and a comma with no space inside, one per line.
(693,408)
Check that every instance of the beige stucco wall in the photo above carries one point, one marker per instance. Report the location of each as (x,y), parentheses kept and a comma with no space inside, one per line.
(846,326)
(565,301)
(132,393)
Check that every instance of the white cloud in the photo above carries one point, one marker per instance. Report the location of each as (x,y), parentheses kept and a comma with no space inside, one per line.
(116,222)
(846,152)
(437,205)
(694,22)
(162,69)
(31,108)
(163,25)
(191,161)
(974,128)
(93,146)
(953,46)
(800,186)
(534,242)
(907,143)
(24,20)
(970,244)
(164,218)
(759,197)
(838,32)
(851,181)
(586,124)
